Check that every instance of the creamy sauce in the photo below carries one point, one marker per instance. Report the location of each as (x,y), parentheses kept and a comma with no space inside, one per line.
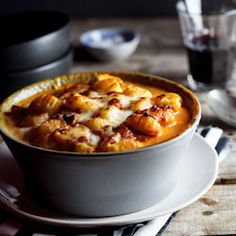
(116,117)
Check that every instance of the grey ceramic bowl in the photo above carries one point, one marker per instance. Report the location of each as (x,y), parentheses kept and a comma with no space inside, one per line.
(11,82)
(101,184)
(32,39)
(110,44)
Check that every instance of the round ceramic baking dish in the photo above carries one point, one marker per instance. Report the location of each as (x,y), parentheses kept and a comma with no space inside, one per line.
(101,184)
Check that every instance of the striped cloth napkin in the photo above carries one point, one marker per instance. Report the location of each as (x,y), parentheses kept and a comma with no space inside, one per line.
(12,226)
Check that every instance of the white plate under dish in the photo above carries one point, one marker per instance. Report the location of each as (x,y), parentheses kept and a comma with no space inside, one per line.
(197,172)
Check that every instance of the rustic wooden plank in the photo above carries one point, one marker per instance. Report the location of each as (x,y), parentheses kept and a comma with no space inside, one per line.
(213,214)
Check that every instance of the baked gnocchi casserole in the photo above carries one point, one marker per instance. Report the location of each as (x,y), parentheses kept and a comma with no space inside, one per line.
(104,114)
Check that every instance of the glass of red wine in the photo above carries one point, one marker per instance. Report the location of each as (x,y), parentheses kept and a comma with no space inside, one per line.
(209,36)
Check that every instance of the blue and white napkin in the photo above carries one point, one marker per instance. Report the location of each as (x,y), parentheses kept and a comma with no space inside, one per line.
(12,226)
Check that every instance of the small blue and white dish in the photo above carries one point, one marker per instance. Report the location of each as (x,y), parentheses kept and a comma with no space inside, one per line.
(110,44)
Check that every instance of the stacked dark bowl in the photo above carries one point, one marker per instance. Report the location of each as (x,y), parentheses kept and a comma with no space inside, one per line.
(33,46)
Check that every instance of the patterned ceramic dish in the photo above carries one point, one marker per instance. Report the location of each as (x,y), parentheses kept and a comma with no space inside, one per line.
(110,44)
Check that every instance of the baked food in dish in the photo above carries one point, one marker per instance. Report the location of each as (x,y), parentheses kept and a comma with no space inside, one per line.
(64,177)
(103,114)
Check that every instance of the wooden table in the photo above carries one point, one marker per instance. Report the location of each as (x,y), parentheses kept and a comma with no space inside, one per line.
(161,52)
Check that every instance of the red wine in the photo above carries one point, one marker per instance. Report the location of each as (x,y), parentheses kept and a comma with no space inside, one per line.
(210,60)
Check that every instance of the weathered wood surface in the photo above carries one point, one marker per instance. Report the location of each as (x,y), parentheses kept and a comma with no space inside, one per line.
(161,52)
(213,214)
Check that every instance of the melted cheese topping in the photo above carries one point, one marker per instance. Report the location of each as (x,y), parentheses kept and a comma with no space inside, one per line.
(114,115)
(85,116)
(107,114)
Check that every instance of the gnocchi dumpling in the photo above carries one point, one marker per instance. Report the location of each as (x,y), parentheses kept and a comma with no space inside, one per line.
(114,115)
(115,143)
(144,123)
(164,114)
(77,103)
(83,148)
(33,120)
(97,123)
(108,83)
(45,103)
(141,104)
(136,91)
(39,136)
(66,137)
(169,99)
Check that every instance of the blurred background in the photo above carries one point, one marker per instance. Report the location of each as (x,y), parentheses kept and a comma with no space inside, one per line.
(159,51)
(94,8)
